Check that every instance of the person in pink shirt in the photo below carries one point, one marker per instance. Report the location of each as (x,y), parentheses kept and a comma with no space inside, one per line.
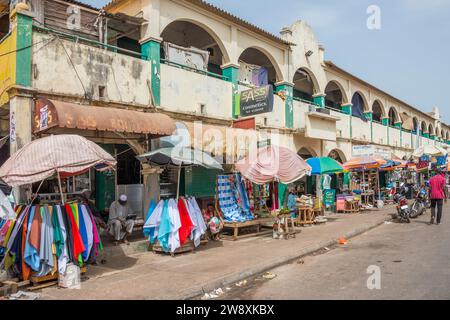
(437,194)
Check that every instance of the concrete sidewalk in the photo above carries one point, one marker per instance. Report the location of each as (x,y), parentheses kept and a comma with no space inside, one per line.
(132,273)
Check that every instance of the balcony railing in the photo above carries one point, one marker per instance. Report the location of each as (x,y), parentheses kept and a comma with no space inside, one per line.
(188,68)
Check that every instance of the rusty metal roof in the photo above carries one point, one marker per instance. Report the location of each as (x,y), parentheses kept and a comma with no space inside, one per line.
(74,116)
(224,14)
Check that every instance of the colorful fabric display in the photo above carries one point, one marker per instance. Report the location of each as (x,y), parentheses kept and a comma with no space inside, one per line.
(228,203)
(42,240)
(172,223)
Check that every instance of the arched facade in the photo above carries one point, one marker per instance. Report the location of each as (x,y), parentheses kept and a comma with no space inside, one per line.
(305,84)
(335,95)
(424,127)
(359,105)
(415,125)
(260,57)
(431,129)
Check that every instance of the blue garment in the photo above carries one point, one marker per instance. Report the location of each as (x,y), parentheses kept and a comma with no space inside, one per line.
(164,228)
(292,202)
(227,201)
(84,235)
(245,203)
(148,232)
(31,255)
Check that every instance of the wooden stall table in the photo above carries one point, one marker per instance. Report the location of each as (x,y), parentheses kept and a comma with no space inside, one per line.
(352,206)
(368,198)
(257,224)
(305,216)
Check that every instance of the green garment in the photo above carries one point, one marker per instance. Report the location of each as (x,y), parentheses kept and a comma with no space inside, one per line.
(58,238)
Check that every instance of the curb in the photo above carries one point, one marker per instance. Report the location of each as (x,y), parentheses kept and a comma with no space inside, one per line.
(230,279)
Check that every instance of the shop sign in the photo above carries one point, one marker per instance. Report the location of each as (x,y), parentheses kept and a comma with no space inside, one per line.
(256,101)
(263,143)
(371,151)
(45,115)
(329,197)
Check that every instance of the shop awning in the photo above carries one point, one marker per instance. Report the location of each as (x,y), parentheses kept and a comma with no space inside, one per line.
(49,114)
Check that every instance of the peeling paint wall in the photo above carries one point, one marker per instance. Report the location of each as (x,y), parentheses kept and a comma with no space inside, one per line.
(124,77)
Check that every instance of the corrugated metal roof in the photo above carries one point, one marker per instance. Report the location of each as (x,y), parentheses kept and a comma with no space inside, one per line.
(227,15)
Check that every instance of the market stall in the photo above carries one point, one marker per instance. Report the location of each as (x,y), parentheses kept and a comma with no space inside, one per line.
(270,166)
(175,224)
(44,240)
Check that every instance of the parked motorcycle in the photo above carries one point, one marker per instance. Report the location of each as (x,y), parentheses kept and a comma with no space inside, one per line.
(403,210)
(421,203)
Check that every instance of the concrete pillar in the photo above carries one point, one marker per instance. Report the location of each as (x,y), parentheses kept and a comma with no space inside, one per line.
(151,51)
(288,89)
(231,72)
(369,116)
(319,99)
(151,186)
(20,126)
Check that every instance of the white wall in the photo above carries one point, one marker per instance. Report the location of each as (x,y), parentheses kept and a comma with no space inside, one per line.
(184,91)
(124,77)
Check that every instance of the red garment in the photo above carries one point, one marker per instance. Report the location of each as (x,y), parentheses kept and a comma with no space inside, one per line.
(26,270)
(186,223)
(78,246)
(437,184)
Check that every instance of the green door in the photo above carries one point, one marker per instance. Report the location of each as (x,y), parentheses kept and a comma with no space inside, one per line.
(105,184)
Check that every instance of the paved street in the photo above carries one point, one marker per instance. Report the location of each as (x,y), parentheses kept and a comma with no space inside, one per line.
(414,260)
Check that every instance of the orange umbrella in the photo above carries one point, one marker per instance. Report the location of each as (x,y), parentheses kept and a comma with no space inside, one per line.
(364,163)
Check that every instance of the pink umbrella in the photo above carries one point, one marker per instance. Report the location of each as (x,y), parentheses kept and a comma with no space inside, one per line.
(273,163)
(62,155)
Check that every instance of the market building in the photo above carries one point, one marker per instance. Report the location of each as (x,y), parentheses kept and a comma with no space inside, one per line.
(127,74)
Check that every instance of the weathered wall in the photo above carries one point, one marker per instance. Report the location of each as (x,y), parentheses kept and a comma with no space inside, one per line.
(124,77)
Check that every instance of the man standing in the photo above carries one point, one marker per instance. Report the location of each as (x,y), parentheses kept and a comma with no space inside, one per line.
(118,225)
(437,195)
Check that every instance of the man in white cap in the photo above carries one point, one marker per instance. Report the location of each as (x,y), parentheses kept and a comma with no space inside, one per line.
(118,225)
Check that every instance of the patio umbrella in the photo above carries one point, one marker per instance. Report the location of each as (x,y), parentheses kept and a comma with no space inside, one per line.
(65,155)
(273,163)
(364,163)
(324,165)
(180,157)
(429,150)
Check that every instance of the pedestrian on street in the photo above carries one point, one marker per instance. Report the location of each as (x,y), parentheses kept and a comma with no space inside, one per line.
(437,194)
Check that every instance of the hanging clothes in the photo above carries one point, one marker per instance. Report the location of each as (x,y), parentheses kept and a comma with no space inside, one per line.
(83,233)
(26,271)
(147,231)
(68,225)
(45,252)
(61,247)
(151,226)
(186,223)
(33,242)
(97,243)
(197,220)
(164,228)
(78,246)
(89,231)
(175,226)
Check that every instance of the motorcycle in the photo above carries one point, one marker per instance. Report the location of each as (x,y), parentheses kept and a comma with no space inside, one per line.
(421,203)
(403,210)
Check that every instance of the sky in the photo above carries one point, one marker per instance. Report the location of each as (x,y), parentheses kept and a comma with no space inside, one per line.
(408,57)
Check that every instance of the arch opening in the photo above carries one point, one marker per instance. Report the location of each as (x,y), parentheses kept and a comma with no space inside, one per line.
(306,153)
(393,117)
(359,106)
(377,112)
(257,69)
(334,96)
(431,129)
(415,125)
(337,155)
(304,85)
(209,53)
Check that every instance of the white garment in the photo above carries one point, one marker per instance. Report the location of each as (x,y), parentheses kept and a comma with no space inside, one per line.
(155,219)
(89,229)
(197,219)
(326,184)
(175,222)
(63,259)
(6,210)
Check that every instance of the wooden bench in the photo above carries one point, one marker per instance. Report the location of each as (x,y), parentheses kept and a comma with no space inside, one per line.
(257,224)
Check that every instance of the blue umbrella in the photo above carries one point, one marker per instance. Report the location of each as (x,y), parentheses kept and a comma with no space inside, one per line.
(324,165)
